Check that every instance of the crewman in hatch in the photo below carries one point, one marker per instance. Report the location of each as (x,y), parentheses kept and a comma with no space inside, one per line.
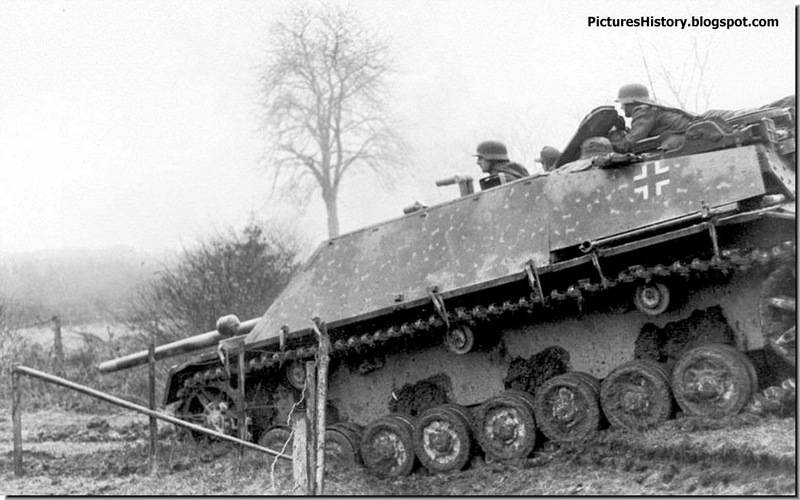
(648,118)
(492,157)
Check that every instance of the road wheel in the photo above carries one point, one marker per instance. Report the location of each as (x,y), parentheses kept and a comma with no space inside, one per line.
(777,309)
(524,395)
(712,380)
(276,438)
(387,446)
(636,395)
(567,407)
(442,439)
(589,379)
(751,370)
(506,427)
(341,445)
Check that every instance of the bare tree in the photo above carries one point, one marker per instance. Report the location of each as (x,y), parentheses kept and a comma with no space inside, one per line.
(687,86)
(325,100)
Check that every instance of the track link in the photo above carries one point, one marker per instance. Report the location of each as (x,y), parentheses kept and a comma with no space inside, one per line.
(729,261)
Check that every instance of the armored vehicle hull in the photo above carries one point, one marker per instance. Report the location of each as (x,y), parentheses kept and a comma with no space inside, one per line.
(617,290)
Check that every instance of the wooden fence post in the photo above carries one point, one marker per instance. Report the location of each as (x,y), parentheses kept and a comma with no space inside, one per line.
(311,417)
(300,452)
(16,418)
(242,402)
(58,346)
(151,358)
(322,399)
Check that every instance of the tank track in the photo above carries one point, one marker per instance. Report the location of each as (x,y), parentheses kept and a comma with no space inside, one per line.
(728,262)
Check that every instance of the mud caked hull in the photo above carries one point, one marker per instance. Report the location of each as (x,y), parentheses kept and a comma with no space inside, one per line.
(597,342)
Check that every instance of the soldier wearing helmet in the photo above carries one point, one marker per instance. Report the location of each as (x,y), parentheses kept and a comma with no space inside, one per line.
(492,157)
(594,151)
(548,157)
(595,146)
(648,118)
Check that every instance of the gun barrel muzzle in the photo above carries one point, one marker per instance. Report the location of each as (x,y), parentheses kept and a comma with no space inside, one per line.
(183,346)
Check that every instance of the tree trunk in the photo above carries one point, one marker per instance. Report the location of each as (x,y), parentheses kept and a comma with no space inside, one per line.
(333,213)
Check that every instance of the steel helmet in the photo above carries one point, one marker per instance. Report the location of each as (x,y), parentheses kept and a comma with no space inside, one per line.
(634,92)
(492,150)
(594,146)
(549,154)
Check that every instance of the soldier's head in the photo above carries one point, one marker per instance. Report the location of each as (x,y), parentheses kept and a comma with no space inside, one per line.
(490,152)
(548,157)
(631,95)
(595,146)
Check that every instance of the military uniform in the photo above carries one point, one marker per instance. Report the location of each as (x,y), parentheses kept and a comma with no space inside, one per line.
(652,120)
(511,170)
(493,160)
(592,149)
(648,119)
(548,157)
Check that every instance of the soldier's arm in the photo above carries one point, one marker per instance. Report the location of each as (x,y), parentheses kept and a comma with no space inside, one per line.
(642,123)
(512,170)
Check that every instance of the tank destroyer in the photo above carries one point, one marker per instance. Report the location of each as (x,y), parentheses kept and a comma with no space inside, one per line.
(618,291)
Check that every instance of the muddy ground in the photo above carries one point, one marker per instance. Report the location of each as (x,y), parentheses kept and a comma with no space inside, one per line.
(77,454)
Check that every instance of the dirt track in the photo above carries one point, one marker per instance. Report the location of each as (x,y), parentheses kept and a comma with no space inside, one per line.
(68,453)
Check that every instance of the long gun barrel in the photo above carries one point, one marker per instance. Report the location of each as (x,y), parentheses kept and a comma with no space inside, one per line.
(227,326)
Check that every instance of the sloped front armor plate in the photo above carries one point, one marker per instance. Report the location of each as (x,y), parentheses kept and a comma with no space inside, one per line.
(492,234)
(463,242)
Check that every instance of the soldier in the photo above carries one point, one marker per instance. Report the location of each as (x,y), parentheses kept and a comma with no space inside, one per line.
(548,157)
(493,159)
(648,118)
(591,148)
(595,146)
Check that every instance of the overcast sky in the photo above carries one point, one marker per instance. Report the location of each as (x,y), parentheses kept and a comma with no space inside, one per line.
(136,122)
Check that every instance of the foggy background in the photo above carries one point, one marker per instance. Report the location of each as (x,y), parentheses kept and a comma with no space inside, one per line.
(137,123)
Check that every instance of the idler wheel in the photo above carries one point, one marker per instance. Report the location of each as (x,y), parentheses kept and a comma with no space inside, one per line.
(341,445)
(295,372)
(712,380)
(636,395)
(443,438)
(567,407)
(460,339)
(652,298)
(506,426)
(387,446)
(776,311)
(276,437)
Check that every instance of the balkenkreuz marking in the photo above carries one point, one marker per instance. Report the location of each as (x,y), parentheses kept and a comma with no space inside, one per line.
(652,177)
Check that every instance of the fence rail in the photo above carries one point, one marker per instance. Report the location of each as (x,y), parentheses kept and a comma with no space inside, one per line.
(308,461)
(16,412)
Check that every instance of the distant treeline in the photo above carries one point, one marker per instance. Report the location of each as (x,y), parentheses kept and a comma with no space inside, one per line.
(77,284)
